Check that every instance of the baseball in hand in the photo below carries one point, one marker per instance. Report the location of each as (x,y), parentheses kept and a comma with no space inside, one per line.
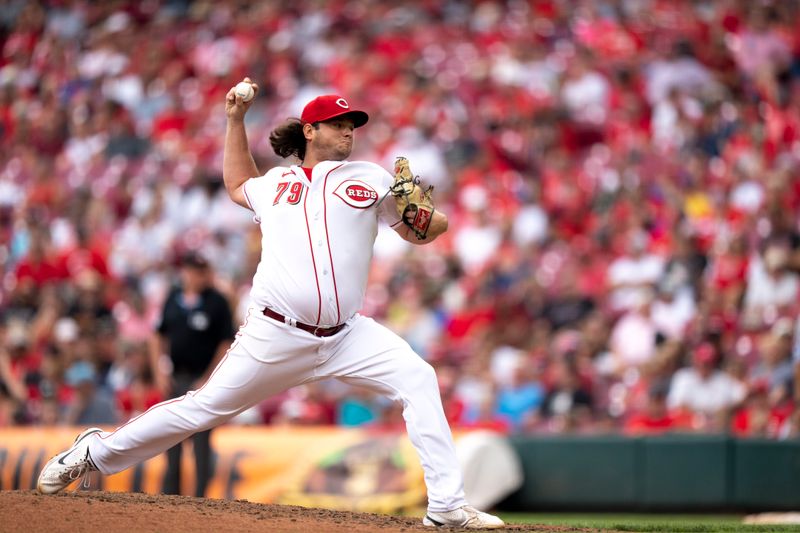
(245,90)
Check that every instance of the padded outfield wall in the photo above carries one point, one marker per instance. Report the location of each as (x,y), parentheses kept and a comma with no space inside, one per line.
(669,473)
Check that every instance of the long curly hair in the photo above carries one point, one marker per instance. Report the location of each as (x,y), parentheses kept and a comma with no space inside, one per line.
(288,139)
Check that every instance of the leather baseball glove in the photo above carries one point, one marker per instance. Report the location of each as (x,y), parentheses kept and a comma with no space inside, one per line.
(414,204)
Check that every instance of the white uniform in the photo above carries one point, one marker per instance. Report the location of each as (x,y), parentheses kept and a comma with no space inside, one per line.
(316,251)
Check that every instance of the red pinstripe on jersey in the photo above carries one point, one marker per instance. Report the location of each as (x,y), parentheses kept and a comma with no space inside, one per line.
(313,261)
(246,319)
(328,239)
(247,196)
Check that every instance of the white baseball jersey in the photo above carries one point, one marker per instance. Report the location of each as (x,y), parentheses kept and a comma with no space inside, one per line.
(317,237)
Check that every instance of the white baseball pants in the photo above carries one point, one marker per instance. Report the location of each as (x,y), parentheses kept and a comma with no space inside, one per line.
(269,357)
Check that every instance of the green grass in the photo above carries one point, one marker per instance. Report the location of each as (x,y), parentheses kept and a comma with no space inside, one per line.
(672,523)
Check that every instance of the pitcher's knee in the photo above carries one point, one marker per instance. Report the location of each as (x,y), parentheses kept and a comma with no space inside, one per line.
(421,374)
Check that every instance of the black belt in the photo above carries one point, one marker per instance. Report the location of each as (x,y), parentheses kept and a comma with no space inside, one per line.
(314,330)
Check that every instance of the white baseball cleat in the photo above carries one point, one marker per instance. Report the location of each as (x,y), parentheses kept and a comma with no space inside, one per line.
(68,466)
(467,517)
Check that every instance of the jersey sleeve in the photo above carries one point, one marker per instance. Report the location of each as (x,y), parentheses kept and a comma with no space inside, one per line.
(256,191)
(251,190)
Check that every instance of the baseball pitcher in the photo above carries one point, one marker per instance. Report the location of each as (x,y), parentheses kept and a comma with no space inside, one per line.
(319,220)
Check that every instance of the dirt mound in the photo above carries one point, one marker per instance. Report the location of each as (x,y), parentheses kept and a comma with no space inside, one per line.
(89,512)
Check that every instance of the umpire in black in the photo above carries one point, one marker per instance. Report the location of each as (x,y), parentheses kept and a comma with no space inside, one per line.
(196,329)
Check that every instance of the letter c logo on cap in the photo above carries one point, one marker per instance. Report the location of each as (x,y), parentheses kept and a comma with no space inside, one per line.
(341,102)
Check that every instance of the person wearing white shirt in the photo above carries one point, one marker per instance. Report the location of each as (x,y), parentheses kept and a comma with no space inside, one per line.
(702,388)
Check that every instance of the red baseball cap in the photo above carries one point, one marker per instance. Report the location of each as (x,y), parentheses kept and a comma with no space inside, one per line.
(330,106)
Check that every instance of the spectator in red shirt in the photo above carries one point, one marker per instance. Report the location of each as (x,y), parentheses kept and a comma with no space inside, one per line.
(39,266)
(655,418)
(728,269)
(138,397)
(85,256)
(763,413)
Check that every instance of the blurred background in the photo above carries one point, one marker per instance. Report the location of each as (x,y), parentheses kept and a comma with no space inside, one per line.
(621,179)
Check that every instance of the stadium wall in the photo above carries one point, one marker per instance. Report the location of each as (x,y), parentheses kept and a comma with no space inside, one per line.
(668,473)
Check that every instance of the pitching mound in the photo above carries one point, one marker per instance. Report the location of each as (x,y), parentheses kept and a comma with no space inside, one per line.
(89,512)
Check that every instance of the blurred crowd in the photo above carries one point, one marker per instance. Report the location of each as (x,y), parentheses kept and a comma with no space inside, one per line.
(620,177)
